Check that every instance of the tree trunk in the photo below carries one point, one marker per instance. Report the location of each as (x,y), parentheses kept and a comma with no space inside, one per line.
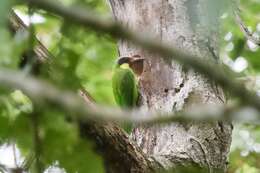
(169,87)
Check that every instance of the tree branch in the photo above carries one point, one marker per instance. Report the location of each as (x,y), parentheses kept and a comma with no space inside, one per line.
(223,76)
(244,29)
(42,93)
(16,24)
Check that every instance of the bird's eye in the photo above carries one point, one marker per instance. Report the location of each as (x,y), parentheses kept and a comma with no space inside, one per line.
(122,60)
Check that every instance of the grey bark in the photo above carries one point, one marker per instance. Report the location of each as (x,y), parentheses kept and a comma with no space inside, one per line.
(169,87)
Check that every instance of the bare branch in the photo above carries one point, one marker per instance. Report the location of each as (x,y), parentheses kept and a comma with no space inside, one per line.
(43,93)
(28,161)
(14,154)
(17,25)
(244,29)
(87,97)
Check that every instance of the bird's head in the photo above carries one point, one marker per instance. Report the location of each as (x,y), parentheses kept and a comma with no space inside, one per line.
(136,63)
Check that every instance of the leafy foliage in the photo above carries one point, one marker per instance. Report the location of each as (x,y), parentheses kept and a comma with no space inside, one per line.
(82,57)
(76,58)
(61,142)
(238,51)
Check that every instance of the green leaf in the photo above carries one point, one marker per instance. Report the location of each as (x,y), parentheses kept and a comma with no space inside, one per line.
(61,143)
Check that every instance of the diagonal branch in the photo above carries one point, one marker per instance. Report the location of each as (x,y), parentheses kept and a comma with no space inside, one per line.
(17,25)
(244,29)
(223,76)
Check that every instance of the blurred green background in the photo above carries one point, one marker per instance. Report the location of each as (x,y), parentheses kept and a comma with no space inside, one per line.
(82,57)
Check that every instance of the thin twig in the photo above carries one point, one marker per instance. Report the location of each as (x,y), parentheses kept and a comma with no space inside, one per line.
(14,154)
(37,141)
(32,61)
(243,27)
(28,161)
(3,168)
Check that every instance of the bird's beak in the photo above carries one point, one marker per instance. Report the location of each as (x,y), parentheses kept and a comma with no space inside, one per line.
(123,60)
(137,64)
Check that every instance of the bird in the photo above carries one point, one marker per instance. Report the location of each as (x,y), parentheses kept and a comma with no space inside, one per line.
(126,74)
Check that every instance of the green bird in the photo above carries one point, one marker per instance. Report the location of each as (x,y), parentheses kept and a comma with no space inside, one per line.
(124,82)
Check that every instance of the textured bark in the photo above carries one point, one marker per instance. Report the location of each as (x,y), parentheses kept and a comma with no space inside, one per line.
(120,155)
(168,87)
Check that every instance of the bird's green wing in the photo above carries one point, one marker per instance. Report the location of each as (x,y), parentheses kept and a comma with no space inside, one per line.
(124,87)
(125,91)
